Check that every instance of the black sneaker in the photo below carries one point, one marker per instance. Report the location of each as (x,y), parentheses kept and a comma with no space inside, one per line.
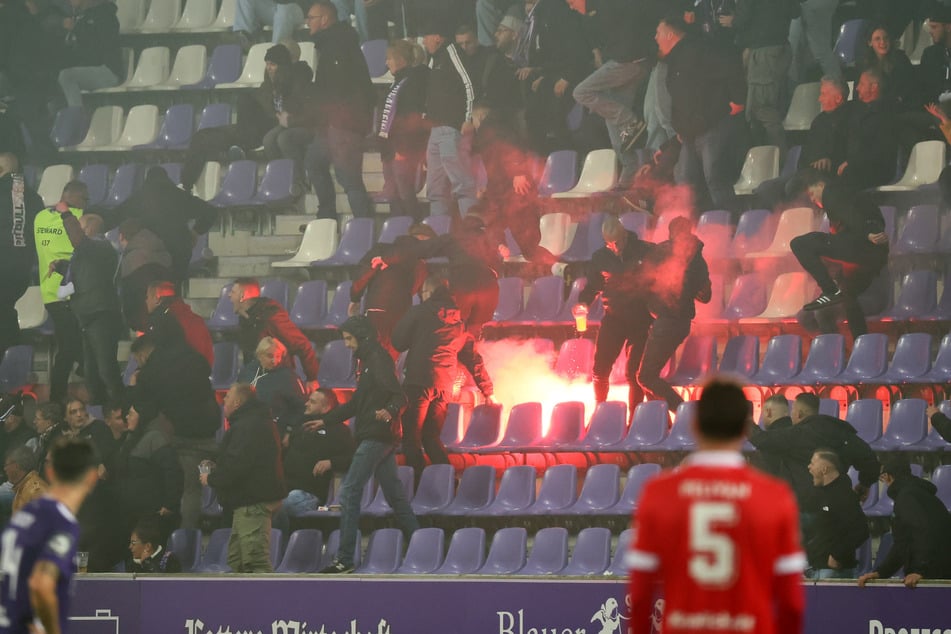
(826,299)
(631,134)
(337,568)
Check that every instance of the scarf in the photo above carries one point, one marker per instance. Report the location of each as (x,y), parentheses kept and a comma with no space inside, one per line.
(389,109)
(18,191)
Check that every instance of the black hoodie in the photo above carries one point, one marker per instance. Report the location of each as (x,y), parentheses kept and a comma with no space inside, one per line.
(920,527)
(853,215)
(840,526)
(94,40)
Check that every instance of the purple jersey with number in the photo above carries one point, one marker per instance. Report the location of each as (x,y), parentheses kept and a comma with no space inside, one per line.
(43,530)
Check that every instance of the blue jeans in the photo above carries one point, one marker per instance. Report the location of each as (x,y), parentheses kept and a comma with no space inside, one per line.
(450,174)
(372,458)
(251,16)
(299,502)
(708,160)
(73,81)
(344,150)
(488,15)
(657,108)
(813,31)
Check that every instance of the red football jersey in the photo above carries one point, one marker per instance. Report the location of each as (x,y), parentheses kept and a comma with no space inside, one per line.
(722,539)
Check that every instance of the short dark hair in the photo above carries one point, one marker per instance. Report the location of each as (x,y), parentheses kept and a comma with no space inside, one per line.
(896,465)
(72,459)
(330,395)
(52,411)
(75,187)
(249,282)
(23,456)
(830,456)
(163,288)
(722,411)
(778,400)
(143,343)
(148,532)
(809,402)
(675,23)
(465,29)
(115,406)
(130,227)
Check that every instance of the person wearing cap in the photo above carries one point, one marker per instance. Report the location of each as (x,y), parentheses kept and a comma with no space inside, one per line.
(920,528)
(934,72)
(375,406)
(490,14)
(453,86)
(506,35)
(251,16)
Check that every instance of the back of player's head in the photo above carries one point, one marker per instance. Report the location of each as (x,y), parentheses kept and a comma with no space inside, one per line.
(722,411)
(808,403)
(830,456)
(71,459)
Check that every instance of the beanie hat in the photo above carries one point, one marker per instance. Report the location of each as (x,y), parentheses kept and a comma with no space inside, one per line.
(278,54)
(360,327)
(512,22)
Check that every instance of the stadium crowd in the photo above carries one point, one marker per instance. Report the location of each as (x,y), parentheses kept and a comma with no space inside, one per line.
(679,90)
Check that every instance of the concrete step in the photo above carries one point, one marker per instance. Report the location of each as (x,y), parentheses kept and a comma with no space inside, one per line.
(206,287)
(244,243)
(372,181)
(289,225)
(343,205)
(250,265)
(372,163)
(202,307)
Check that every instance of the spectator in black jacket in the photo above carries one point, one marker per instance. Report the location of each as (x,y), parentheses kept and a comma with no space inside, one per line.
(810,431)
(872,138)
(15,432)
(900,81)
(172,383)
(49,424)
(260,317)
(856,238)
(312,457)
(626,318)
(619,33)
(148,552)
(91,59)
(436,342)
(707,93)
(934,72)
(840,527)
(453,87)
(147,475)
(344,99)
(172,322)
(376,407)
(95,303)
(248,478)
(403,131)
(492,72)
(144,260)
(386,292)
(920,528)
(275,383)
(676,276)
(18,207)
(774,416)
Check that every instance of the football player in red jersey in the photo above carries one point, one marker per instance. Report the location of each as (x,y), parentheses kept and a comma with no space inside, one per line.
(721,538)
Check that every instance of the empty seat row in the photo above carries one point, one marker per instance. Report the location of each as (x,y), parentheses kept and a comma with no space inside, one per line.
(169,16)
(908,426)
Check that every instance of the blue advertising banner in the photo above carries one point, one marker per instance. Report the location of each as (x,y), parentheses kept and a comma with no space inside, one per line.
(444,605)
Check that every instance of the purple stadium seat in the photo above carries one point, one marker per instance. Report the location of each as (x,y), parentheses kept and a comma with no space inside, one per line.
(865,415)
(507,552)
(310,305)
(378,506)
(484,429)
(851,37)
(337,313)
(383,552)
(209,500)
(454,427)
(176,131)
(890,215)
(475,493)
(69,127)
(918,296)
(942,312)
(747,299)
(224,371)
(618,568)
(275,288)
(595,311)
(698,358)
(575,359)
(336,366)
(516,492)
(921,231)
(941,478)
(941,370)
(185,544)
(215,556)
(912,359)
(740,356)
(435,489)
(907,426)
(791,162)
(277,184)
(394,227)
(782,361)
(466,552)
(237,187)
(829,407)
(607,427)
(637,477)
(523,431)
(510,300)
(96,177)
(591,554)
(439,224)
(566,426)
(753,233)
(424,553)
(869,360)
(549,554)
(374,52)
(130,367)
(215,115)
(302,555)
(716,233)
(558,491)
(648,427)
(575,117)
(355,241)
(681,436)
(224,317)
(333,545)
(126,180)
(825,361)
(636,221)
(588,239)
(600,491)
(545,301)
(174,173)
(559,175)
(224,67)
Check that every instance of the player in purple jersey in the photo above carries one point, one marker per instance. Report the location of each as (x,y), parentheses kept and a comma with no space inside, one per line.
(38,545)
